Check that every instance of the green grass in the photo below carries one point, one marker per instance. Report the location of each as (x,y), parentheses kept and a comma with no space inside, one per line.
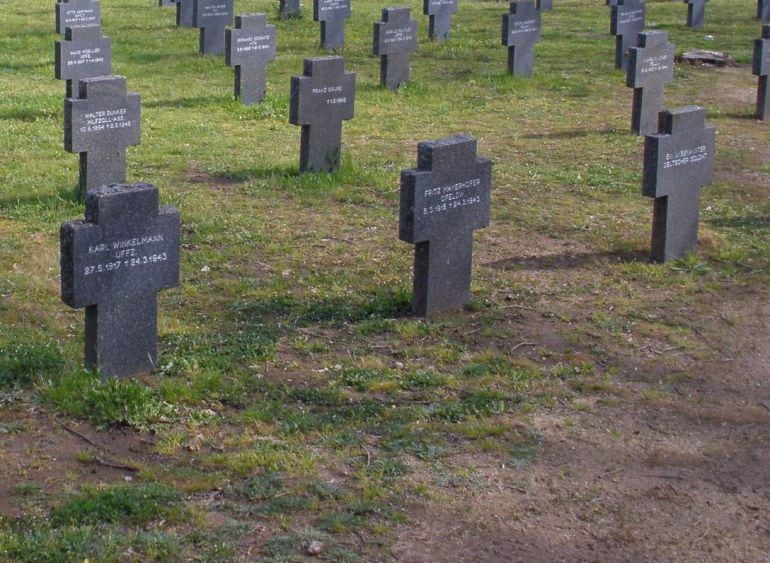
(294,388)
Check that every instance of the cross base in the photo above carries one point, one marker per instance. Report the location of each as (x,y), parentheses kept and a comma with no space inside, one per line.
(249,84)
(442,274)
(121,338)
(648,103)
(696,14)
(320,148)
(212,40)
(763,99)
(439,27)
(666,245)
(394,70)
(521,60)
(101,168)
(333,34)
(622,44)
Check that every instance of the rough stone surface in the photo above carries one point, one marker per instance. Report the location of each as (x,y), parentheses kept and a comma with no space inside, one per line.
(394,39)
(521,30)
(761,68)
(83,53)
(99,124)
(443,201)
(75,13)
(440,17)
(212,17)
(321,99)
(626,22)
(696,12)
(678,161)
(763,10)
(332,15)
(650,68)
(248,48)
(113,264)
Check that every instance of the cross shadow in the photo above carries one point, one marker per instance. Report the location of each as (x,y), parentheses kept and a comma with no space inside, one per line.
(198,102)
(576,133)
(567,261)
(48,200)
(751,222)
(25,114)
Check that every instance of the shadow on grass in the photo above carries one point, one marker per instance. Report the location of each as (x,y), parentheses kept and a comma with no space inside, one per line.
(26,114)
(751,222)
(566,261)
(187,103)
(576,133)
(69,195)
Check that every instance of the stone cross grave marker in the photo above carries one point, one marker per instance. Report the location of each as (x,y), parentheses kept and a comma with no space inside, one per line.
(83,53)
(332,15)
(443,201)
(696,12)
(99,124)
(211,17)
(650,68)
(761,68)
(626,21)
(763,10)
(678,161)
(184,13)
(248,48)
(544,5)
(289,9)
(521,30)
(113,264)
(395,37)
(74,13)
(440,17)
(320,100)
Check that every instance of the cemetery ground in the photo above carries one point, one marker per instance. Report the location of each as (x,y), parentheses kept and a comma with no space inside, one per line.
(586,405)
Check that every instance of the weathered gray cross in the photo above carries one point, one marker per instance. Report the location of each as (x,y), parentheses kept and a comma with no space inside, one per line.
(99,124)
(761,68)
(443,201)
(650,68)
(248,48)
(113,264)
(678,162)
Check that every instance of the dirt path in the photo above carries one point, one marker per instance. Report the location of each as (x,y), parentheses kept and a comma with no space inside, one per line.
(682,476)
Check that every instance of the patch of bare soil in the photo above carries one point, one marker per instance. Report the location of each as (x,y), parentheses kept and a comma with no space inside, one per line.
(683,476)
(59,456)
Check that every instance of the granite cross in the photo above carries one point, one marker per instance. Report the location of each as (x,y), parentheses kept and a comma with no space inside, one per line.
(650,68)
(696,12)
(395,37)
(763,10)
(184,13)
(521,30)
(443,201)
(249,47)
(678,161)
(440,17)
(83,53)
(211,17)
(626,21)
(99,124)
(544,5)
(320,100)
(289,9)
(74,13)
(113,264)
(761,68)
(332,15)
